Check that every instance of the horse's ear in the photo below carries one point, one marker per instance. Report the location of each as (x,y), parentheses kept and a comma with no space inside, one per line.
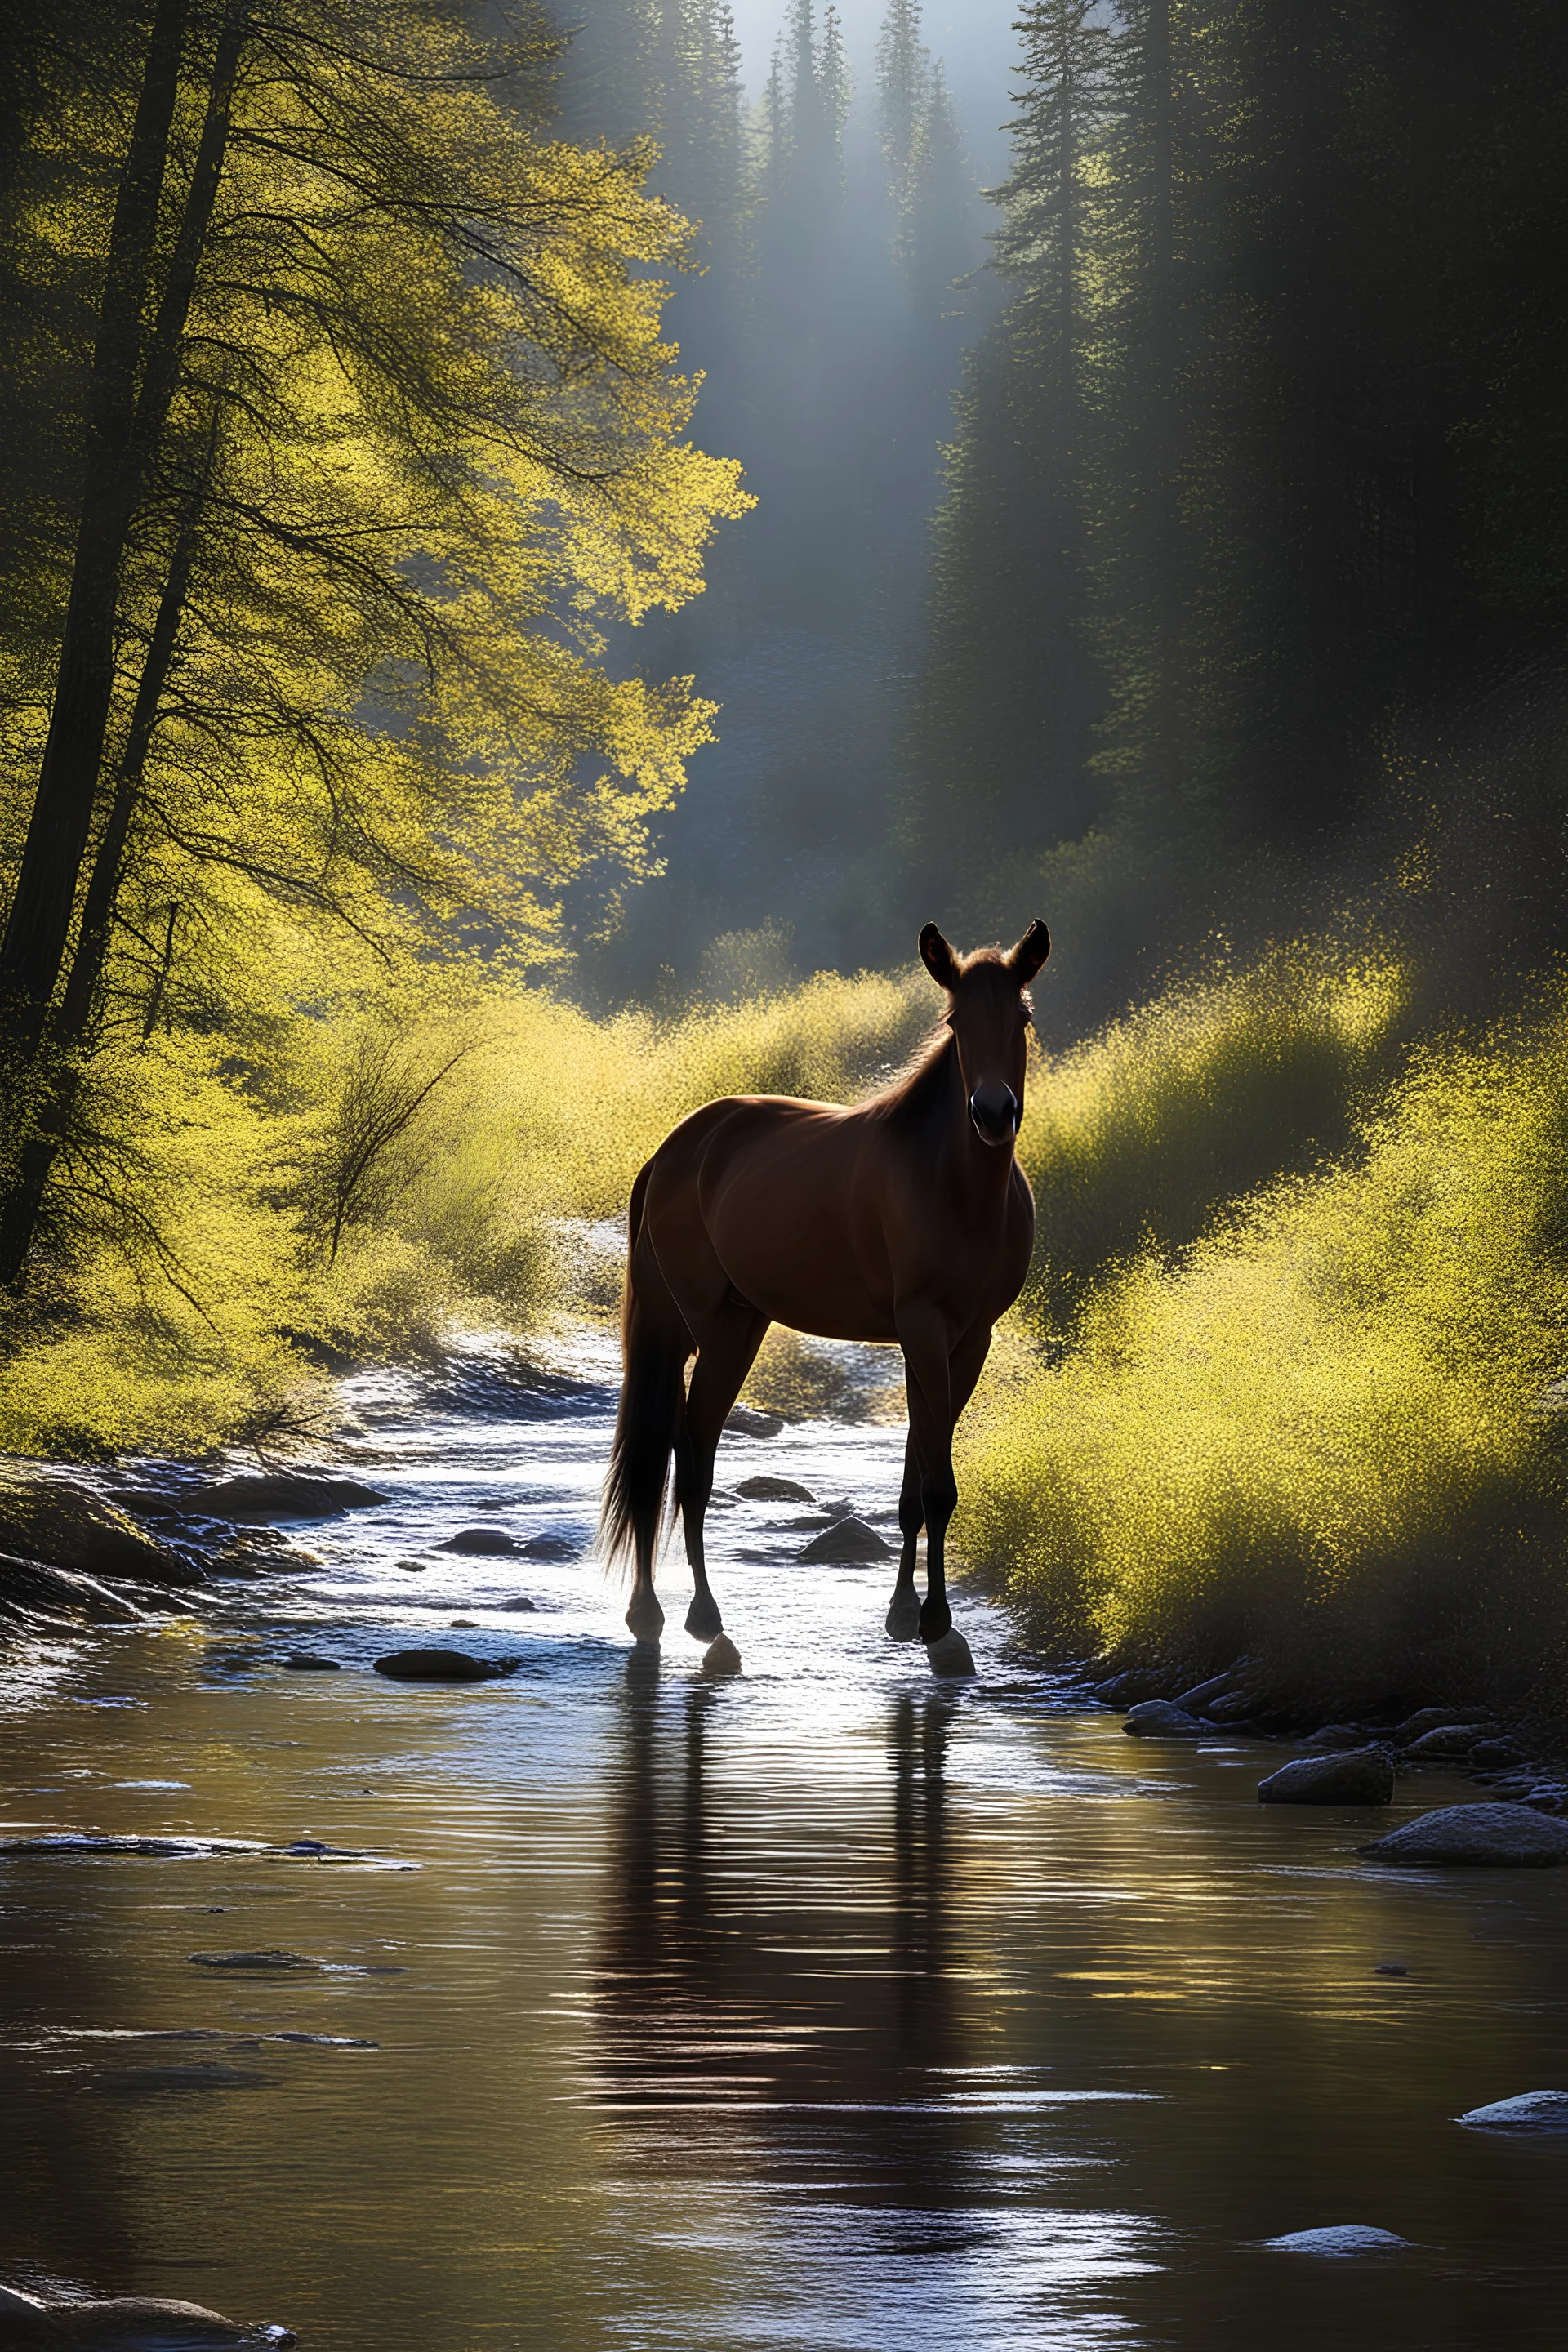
(1029,954)
(938,957)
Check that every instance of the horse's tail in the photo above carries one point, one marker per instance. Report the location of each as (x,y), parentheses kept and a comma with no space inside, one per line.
(655,1345)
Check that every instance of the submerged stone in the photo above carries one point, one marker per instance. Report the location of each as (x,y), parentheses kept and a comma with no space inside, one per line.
(1340,2239)
(1502,1836)
(136,2323)
(721,1660)
(282,1494)
(774,1490)
(745,1421)
(1356,1776)
(435,1667)
(846,1544)
(479,1541)
(1531,2111)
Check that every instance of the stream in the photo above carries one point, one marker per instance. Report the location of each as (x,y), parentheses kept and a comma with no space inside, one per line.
(833,2009)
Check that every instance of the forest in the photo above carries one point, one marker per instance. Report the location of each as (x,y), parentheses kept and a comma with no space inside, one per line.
(539,550)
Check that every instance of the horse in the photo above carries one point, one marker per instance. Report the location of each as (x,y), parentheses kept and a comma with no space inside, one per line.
(904,1218)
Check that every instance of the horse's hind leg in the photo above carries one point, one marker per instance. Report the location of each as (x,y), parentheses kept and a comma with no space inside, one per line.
(726,1350)
(904,1610)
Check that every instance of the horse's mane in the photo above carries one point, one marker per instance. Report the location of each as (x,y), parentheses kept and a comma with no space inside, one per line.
(919,1089)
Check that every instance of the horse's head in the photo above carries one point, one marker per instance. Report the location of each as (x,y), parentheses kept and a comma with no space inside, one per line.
(988,1013)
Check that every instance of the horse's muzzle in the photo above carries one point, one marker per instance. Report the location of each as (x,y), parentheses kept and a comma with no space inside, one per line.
(994,1112)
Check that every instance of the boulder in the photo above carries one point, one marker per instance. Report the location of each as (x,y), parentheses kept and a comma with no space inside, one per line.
(1435,1718)
(63,1594)
(1231,1706)
(1445,1743)
(23,2323)
(1202,1693)
(435,1667)
(1157,1718)
(1336,1735)
(745,1421)
(137,2322)
(1355,1776)
(282,1494)
(1507,1836)
(950,1655)
(846,1544)
(1495,1755)
(1531,2111)
(1339,2241)
(1547,1796)
(480,1542)
(49,1517)
(1128,1689)
(721,1659)
(774,1490)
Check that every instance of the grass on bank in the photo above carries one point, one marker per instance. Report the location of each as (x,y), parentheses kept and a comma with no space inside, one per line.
(1326,1434)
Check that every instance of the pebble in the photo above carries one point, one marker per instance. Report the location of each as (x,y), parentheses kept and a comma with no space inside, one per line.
(1475,1835)
(1157,1718)
(1356,1776)
(1531,2111)
(1340,2239)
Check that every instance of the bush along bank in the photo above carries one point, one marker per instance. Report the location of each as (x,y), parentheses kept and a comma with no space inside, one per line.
(1329,1434)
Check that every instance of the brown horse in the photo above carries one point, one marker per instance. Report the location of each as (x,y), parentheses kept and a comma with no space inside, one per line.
(905,1218)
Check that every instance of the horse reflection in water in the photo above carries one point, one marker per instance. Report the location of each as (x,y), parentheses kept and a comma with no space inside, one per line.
(772,1989)
(906,1218)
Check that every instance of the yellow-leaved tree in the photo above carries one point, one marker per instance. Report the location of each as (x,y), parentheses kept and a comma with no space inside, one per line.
(353,436)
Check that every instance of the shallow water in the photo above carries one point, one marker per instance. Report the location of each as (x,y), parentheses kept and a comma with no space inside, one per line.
(833,2008)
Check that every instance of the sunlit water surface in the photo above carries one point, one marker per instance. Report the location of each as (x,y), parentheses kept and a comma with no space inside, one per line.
(833,2008)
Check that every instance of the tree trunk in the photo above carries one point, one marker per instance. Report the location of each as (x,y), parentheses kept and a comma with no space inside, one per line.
(120,456)
(40,912)
(24,1197)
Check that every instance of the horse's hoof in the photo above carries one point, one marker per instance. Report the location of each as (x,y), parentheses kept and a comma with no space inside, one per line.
(703,1622)
(721,1660)
(645,1619)
(936,1618)
(904,1618)
(950,1655)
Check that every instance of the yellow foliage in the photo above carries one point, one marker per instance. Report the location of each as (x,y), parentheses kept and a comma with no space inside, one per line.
(1324,1430)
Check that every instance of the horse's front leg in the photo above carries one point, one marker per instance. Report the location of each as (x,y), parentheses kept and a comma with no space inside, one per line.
(904,1610)
(923,1334)
(726,1351)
